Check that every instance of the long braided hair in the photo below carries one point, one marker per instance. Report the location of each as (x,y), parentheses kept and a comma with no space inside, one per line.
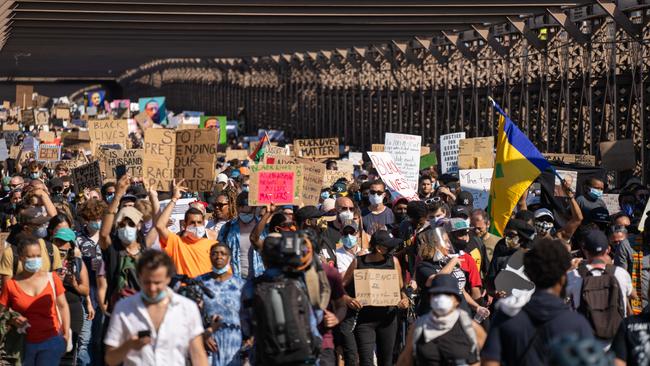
(231,195)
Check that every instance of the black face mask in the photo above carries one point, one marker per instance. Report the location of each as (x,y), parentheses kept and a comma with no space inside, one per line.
(399,217)
(458,244)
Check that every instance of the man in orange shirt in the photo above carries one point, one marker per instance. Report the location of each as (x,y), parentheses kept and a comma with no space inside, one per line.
(189,249)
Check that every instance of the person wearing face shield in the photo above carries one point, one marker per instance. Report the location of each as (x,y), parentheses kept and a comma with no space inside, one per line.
(189,249)
(446,335)
(379,216)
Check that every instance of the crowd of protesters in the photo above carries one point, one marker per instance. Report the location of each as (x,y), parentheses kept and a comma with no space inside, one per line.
(101,276)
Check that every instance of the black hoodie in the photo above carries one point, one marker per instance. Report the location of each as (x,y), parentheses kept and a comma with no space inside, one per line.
(543,319)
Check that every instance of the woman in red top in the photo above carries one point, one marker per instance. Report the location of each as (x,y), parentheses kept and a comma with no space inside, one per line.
(39,297)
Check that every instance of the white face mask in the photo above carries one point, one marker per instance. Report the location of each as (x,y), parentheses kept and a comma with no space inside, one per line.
(346,215)
(376,199)
(197,231)
(441,304)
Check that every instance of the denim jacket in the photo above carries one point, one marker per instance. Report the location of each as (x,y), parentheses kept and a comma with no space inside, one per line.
(229,234)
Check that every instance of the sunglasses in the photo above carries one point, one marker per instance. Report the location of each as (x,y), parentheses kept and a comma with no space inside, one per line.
(220,205)
(461,232)
(432,200)
(346,208)
(376,192)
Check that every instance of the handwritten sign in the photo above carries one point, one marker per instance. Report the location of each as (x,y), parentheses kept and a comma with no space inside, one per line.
(317,148)
(476,153)
(355,157)
(87,176)
(280,184)
(449,151)
(27,117)
(130,158)
(428,160)
(196,158)
(611,201)
(159,150)
(24,95)
(392,175)
(270,158)
(331,176)
(277,150)
(377,287)
(477,182)
(232,154)
(405,150)
(48,152)
(62,113)
(380,148)
(108,132)
(586,160)
(312,181)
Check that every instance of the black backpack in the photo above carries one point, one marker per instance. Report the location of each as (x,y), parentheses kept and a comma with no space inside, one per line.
(281,311)
(600,301)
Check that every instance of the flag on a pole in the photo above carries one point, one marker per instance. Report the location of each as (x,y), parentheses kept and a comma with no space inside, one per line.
(518,163)
(258,153)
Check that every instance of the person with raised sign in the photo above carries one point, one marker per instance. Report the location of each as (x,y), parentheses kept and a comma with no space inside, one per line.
(190,249)
(376,326)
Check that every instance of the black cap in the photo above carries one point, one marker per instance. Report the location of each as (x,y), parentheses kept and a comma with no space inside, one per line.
(595,241)
(56,183)
(306,213)
(465,198)
(383,238)
(460,211)
(525,230)
(599,215)
(447,178)
(416,209)
(444,284)
(128,198)
(138,191)
(242,199)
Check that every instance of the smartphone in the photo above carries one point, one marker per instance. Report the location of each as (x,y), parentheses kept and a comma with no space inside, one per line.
(120,171)
(144,333)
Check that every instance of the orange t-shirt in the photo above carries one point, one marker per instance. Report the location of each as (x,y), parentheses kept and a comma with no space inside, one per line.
(191,259)
(39,310)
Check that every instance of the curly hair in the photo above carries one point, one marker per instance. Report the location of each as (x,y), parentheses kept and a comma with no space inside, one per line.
(231,196)
(547,262)
(92,210)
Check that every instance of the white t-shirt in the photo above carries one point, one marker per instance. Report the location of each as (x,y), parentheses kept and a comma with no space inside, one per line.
(170,344)
(343,259)
(574,285)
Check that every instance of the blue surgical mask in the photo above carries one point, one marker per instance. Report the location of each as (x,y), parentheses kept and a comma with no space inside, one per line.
(94,226)
(628,209)
(245,189)
(109,197)
(154,300)
(127,234)
(33,265)
(220,271)
(349,241)
(246,217)
(325,195)
(146,227)
(595,193)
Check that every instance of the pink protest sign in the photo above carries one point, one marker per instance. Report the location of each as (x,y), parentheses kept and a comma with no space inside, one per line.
(280,184)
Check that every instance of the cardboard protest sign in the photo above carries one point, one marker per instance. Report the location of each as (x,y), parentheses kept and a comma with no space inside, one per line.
(24,95)
(4,153)
(10,127)
(611,201)
(42,117)
(392,176)
(355,157)
(62,113)
(46,136)
(277,150)
(331,176)
(108,132)
(476,153)
(586,160)
(377,287)
(380,148)
(312,181)
(405,150)
(132,159)
(159,153)
(14,151)
(618,155)
(449,151)
(196,158)
(87,176)
(570,176)
(6,104)
(428,160)
(270,158)
(27,117)
(317,148)
(48,152)
(477,182)
(239,154)
(154,109)
(280,184)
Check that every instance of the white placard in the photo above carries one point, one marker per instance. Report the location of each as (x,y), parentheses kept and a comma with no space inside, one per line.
(392,175)
(611,201)
(405,150)
(449,152)
(178,213)
(4,153)
(477,182)
(355,157)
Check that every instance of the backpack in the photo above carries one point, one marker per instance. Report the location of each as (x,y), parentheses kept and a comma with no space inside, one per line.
(50,254)
(281,319)
(600,301)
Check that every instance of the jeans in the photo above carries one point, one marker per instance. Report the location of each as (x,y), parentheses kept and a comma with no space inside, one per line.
(345,335)
(376,326)
(44,353)
(97,336)
(83,352)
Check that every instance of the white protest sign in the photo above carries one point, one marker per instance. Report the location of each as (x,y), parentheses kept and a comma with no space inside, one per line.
(4,153)
(178,213)
(405,150)
(392,175)
(477,182)
(449,151)
(355,157)
(611,201)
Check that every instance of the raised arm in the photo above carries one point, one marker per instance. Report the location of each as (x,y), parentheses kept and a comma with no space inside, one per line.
(163,219)
(259,228)
(576,215)
(113,207)
(152,235)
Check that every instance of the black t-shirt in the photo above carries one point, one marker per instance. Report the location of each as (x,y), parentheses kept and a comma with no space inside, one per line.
(426,269)
(632,341)
(451,348)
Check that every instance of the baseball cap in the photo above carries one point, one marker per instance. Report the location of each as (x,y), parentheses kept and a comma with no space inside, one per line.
(55,183)
(460,211)
(128,198)
(383,238)
(595,241)
(222,178)
(235,174)
(544,212)
(522,228)
(307,212)
(352,224)
(400,199)
(444,284)
(129,212)
(328,205)
(456,224)
(65,234)
(465,198)
(599,215)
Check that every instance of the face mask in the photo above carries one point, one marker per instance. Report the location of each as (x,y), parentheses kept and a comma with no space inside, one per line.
(94,226)
(441,304)
(66,190)
(222,270)
(543,227)
(376,199)
(595,193)
(349,241)
(109,197)
(35,175)
(399,217)
(512,242)
(197,231)
(246,217)
(154,300)
(40,232)
(127,234)
(245,189)
(33,265)
(438,219)
(325,195)
(346,216)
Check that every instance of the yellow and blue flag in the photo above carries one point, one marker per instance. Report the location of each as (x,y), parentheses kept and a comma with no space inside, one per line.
(518,163)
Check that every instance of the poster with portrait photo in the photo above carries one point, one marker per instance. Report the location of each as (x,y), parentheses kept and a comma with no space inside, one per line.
(570,176)
(95,99)
(154,108)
